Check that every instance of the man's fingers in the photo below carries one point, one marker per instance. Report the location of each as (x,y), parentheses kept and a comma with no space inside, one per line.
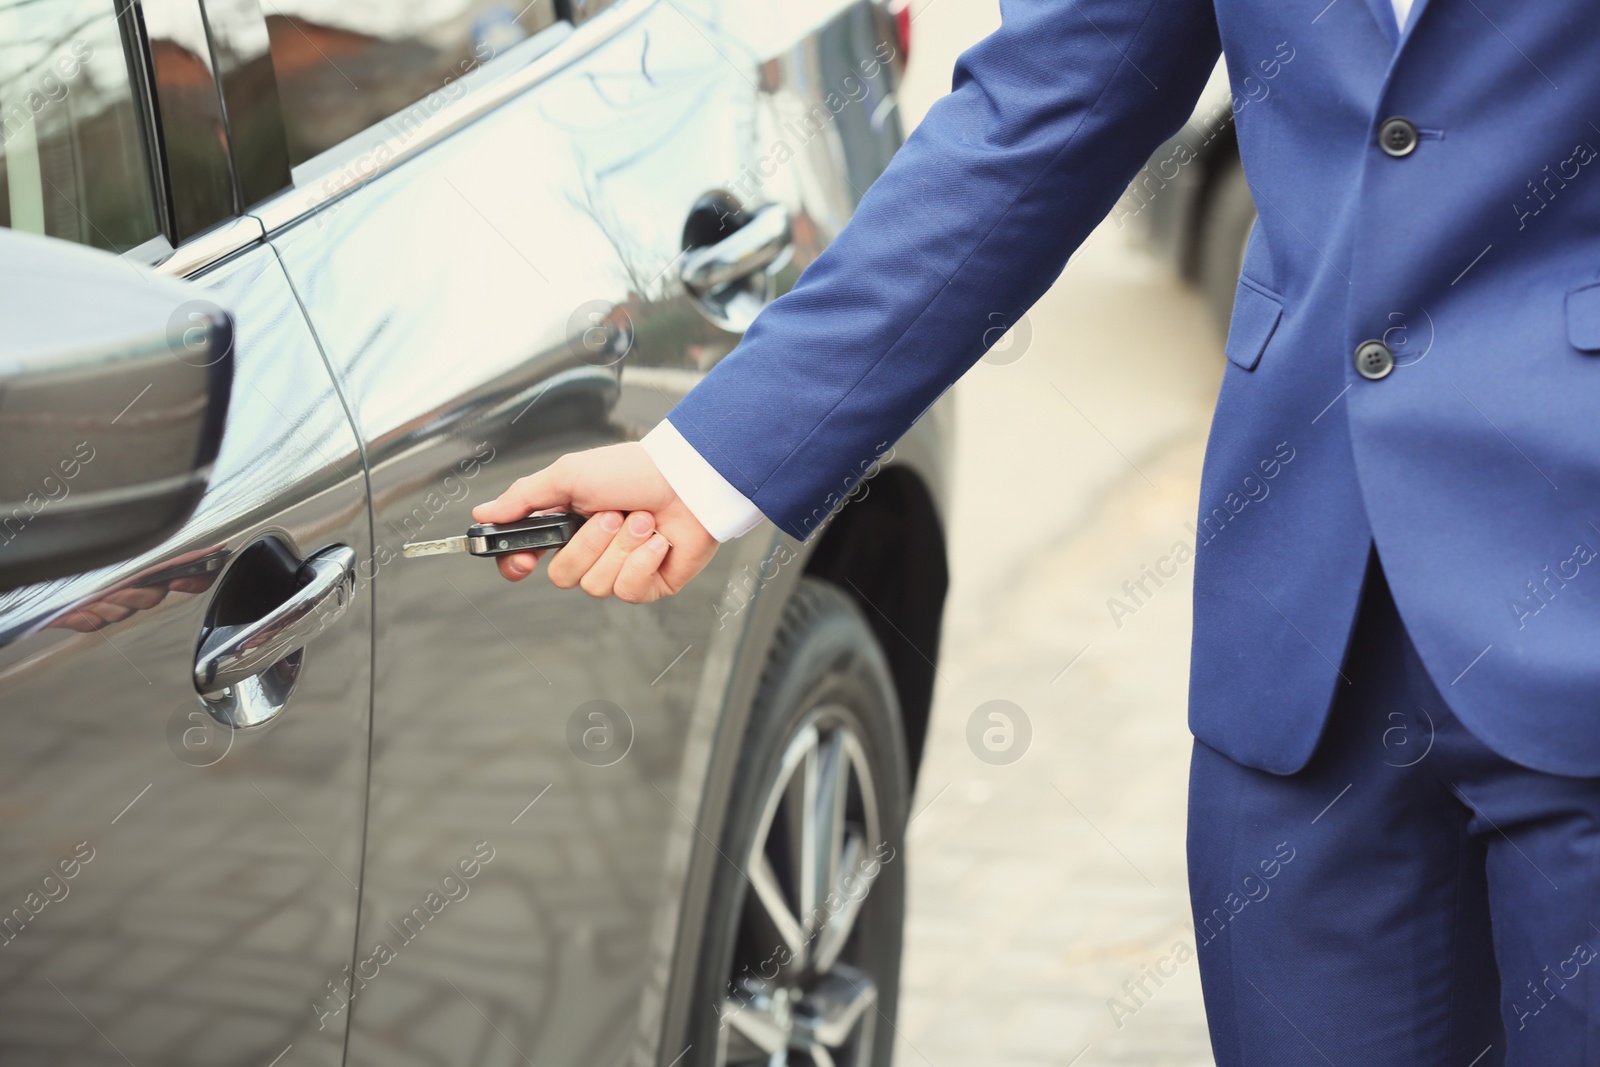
(573,561)
(639,581)
(601,577)
(683,563)
(544,489)
(656,557)
(518,565)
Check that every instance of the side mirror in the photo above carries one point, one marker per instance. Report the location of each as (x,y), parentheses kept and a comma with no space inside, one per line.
(113,391)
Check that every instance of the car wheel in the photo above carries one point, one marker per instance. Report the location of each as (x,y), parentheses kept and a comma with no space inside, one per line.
(1225,231)
(800,963)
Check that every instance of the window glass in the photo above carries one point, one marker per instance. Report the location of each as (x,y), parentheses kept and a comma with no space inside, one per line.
(344,65)
(73,162)
(583,10)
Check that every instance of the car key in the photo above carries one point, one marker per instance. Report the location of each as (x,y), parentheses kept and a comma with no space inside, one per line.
(533,534)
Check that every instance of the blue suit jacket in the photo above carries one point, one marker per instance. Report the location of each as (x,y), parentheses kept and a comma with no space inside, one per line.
(1474,467)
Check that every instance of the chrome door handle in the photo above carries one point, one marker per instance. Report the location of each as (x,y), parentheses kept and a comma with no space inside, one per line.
(751,248)
(233,654)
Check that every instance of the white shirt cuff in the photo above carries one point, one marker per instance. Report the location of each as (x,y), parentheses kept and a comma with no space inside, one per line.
(725,512)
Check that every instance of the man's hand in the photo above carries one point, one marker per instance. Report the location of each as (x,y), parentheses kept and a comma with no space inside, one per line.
(640,542)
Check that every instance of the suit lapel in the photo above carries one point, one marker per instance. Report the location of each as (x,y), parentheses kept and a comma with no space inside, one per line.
(1383,14)
(1411,23)
(1405,36)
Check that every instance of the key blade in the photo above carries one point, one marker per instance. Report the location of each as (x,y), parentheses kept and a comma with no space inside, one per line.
(441,547)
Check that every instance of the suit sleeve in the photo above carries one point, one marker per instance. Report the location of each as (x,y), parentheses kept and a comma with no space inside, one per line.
(1048,120)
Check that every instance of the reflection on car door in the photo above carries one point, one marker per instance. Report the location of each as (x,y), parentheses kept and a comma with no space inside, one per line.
(507,295)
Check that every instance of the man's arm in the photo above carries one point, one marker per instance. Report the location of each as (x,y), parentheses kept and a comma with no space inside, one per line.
(1048,119)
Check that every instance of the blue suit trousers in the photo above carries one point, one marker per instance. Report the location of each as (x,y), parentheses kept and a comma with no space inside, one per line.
(1409,898)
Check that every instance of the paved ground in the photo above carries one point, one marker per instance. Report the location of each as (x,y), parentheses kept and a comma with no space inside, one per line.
(1039,885)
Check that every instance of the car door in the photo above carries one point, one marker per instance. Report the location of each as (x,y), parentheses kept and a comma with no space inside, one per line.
(183,735)
(496,274)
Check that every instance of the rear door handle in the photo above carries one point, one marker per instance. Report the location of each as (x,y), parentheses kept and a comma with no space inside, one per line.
(751,248)
(230,655)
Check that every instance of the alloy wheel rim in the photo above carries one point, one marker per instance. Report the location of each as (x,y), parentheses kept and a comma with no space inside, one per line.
(794,996)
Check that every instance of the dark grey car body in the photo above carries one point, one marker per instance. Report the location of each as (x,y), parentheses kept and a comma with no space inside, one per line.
(430,309)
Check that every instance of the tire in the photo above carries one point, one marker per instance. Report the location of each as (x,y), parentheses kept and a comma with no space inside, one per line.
(1230,212)
(826,704)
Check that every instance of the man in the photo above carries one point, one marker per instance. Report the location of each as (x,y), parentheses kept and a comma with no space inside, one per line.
(1395,684)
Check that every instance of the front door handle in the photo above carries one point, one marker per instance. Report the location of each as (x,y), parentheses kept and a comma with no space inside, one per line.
(230,655)
(750,249)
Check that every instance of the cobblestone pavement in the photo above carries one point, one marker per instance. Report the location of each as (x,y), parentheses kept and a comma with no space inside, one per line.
(1038,886)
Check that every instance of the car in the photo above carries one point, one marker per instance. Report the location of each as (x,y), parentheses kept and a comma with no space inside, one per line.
(1190,204)
(291,284)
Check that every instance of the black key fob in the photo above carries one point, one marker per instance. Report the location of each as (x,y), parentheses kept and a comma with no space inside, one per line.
(532,534)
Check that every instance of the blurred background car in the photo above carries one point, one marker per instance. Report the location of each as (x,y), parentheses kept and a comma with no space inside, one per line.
(1190,204)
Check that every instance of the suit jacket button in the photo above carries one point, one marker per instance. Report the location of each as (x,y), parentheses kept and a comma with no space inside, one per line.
(1397,136)
(1374,360)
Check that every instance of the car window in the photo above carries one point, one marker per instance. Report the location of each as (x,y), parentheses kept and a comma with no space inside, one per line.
(582,10)
(345,65)
(73,162)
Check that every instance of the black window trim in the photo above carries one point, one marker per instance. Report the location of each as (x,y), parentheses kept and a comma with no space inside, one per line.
(228,235)
(136,54)
(187,16)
